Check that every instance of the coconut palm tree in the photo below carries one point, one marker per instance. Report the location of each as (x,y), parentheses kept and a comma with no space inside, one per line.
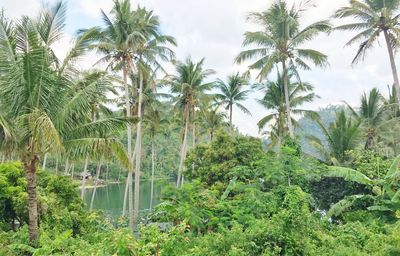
(374,18)
(212,120)
(342,135)
(152,49)
(116,42)
(41,103)
(190,87)
(371,115)
(103,88)
(280,42)
(131,41)
(274,99)
(232,93)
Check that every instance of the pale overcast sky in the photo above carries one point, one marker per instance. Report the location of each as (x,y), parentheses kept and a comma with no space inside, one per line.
(214,29)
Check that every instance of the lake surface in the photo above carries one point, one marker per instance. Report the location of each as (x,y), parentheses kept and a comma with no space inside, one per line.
(109,199)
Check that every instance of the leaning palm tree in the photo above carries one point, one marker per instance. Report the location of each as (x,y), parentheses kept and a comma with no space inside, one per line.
(280,42)
(232,93)
(190,87)
(274,99)
(41,103)
(342,135)
(374,18)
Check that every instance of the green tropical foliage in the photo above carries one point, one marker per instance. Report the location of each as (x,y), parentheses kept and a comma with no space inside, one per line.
(330,186)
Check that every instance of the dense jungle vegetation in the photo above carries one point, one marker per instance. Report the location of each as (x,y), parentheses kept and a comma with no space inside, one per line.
(317,183)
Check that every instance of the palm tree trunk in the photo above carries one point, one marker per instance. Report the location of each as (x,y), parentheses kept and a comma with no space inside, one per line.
(98,169)
(44,162)
(393,65)
(153,153)
(30,170)
(72,170)
(230,117)
(129,135)
(138,154)
(56,165)
(183,150)
(128,190)
(83,183)
(66,169)
(287,100)
(107,173)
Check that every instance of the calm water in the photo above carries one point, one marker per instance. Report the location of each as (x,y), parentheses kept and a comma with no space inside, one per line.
(109,199)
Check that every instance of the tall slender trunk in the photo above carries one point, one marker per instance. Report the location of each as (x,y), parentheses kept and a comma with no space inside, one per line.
(183,149)
(138,154)
(129,135)
(230,117)
(30,170)
(3,157)
(98,169)
(84,175)
(44,162)
(72,170)
(393,65)
(153,166)
(56,165)
(107,173)
(287,100)
(128,191)
(66,169)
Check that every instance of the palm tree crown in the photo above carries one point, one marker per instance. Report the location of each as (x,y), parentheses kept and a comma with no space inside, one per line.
(280,42)
(232,93)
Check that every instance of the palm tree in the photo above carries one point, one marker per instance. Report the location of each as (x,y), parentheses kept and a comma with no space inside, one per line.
(212,120)
(132,41)
(190,88)
(41,103)
(274,99)
(374,17)
(280,42)
(116,41)
(371,115)
(103,88)
(149,52)
(341,135)
(232,93)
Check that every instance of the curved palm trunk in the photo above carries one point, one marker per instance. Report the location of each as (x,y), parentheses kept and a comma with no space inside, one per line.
(153,163)
(83,182)
(138,155)
(30,170)
(393,65)
(287,100)
(98,169)
(183,151)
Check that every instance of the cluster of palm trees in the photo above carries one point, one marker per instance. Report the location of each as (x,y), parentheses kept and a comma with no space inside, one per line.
(49,106)
(374,125)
